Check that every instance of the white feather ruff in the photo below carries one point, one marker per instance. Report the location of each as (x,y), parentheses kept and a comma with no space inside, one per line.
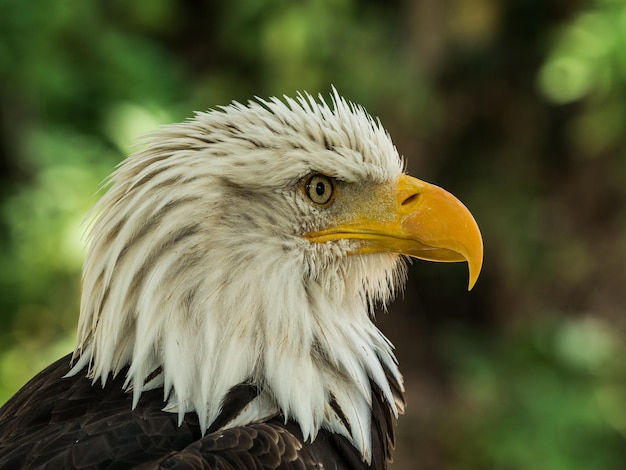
(197,268)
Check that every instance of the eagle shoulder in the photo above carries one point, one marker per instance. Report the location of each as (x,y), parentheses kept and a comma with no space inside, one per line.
(70,422)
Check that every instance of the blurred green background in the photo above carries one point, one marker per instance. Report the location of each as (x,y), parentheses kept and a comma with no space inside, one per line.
(518,108)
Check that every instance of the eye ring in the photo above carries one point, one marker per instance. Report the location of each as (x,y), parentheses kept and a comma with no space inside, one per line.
(320,189)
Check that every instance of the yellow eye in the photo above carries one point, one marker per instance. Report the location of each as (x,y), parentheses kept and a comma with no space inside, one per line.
(320,189)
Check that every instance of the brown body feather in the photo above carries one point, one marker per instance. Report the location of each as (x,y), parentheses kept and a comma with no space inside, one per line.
(56,422)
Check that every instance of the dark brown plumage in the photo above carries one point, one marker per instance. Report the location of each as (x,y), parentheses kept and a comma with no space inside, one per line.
(56,422)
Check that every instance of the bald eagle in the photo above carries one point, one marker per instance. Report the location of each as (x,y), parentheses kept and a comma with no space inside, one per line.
(228,293)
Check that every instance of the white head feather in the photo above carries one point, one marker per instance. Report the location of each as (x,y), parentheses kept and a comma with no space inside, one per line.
(198,269)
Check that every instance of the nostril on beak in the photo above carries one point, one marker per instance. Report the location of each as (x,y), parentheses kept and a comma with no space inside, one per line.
(410,199)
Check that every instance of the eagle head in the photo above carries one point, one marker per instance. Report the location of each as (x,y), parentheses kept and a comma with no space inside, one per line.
(249,245)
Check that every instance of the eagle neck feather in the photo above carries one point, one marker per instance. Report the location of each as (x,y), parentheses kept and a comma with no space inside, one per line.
(310,348)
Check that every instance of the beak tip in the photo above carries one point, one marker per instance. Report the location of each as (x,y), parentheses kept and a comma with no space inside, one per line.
(474,272)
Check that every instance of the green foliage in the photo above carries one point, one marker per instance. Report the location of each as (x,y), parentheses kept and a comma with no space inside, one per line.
(75,86)
(547,395)
(587,62)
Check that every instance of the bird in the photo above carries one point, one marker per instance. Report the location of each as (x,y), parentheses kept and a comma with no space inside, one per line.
(234,266)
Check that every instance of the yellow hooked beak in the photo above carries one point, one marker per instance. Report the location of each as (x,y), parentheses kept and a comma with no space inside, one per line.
(413,218)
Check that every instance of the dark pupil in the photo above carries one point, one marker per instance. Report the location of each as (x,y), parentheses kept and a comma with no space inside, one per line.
(320,189)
